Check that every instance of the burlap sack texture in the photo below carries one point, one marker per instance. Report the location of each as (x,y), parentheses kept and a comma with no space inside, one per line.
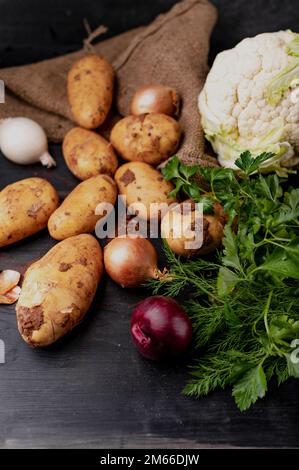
(172,50)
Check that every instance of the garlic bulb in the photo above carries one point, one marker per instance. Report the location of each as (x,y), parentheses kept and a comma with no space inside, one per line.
(24,141)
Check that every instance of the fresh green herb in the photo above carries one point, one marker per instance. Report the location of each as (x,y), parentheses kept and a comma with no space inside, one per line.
(183,178)
(244,339)
(244,302)
(249,165)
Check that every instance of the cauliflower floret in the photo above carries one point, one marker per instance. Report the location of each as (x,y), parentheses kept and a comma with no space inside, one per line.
(236,111)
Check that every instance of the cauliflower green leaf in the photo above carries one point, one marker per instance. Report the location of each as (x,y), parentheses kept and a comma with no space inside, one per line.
(282,82)
(293,47)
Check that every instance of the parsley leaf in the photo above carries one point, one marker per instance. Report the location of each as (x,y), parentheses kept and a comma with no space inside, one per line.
(231,257)
(178,186)
(283,329)
(182,176)
(270,187)
(251,386)
(289,210)
(171,170)
(248,164)
(226,281)
(283,261)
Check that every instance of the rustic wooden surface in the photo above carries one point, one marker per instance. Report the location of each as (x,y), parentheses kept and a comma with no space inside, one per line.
(92,389)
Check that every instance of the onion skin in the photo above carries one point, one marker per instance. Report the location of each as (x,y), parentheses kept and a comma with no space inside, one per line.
(130,262)
(160,328)
(155,99)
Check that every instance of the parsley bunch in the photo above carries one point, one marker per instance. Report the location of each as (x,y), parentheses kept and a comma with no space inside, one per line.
(244,302)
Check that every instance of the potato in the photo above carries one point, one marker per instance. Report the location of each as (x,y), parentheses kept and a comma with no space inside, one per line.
(58,290)
(140,183)
(88,154)
(25,207)
(178,228)
(90,90)
(149,138)
(77,212)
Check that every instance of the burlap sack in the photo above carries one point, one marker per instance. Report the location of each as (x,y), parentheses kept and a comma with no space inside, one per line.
(172,50)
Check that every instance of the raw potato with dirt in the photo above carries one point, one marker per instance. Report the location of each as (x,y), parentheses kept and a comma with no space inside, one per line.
(150,138)
(77,212)
(88,154)
(25,207)
(90,90)
(142,186)
(179,228)
(58,290)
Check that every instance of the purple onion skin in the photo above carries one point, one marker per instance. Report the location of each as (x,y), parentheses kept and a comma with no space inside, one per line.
(161,330)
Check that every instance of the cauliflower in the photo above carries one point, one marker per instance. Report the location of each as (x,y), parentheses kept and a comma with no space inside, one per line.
(250,101)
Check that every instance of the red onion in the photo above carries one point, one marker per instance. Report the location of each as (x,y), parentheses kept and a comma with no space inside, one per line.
(160,328)
(155,99)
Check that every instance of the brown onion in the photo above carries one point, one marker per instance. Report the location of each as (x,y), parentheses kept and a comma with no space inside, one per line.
(155,99)
(130,262)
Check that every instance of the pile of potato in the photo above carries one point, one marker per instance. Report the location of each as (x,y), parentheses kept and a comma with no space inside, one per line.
(58,289)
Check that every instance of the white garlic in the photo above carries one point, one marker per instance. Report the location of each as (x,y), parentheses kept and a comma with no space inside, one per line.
(24,141)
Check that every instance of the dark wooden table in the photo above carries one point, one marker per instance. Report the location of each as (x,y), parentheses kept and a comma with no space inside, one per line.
(92,389)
